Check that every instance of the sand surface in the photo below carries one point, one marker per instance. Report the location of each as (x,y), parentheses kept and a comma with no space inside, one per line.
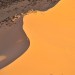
(13,40)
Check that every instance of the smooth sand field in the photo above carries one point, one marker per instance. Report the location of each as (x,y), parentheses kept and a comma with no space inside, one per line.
(52,37)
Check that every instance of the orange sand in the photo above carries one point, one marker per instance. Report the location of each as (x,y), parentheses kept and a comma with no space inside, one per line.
(52,36)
